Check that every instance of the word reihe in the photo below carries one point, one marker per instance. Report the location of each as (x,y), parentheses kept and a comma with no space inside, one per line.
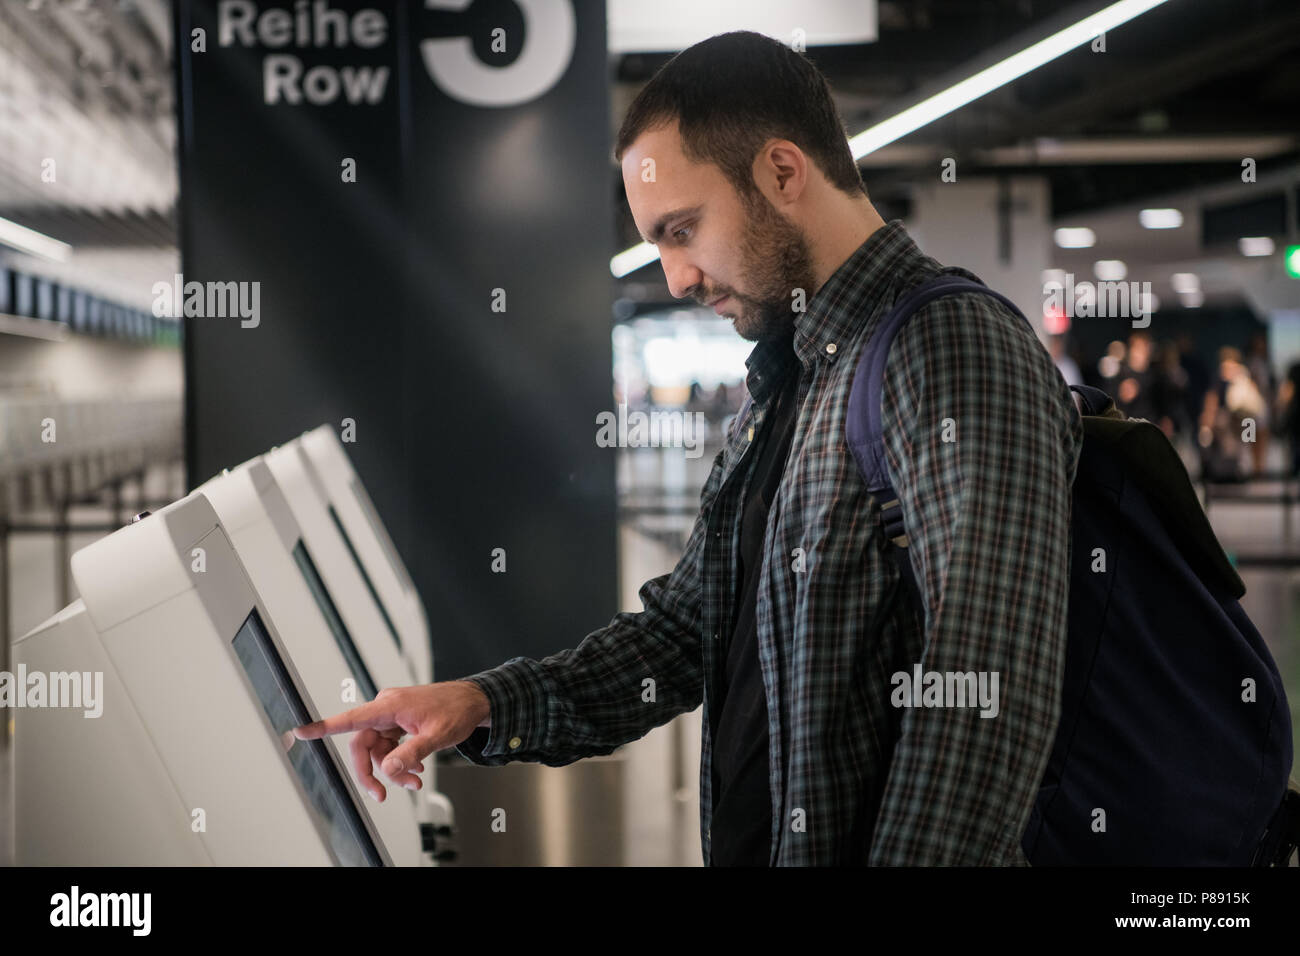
(285,78)
(316,24)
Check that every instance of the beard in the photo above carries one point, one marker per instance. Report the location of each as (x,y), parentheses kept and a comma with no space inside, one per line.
(775,260)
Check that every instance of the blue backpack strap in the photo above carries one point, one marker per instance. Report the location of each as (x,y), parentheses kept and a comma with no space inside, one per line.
(864,427)
(1094,399)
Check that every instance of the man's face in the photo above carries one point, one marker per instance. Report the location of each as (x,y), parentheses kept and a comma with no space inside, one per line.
(737,254)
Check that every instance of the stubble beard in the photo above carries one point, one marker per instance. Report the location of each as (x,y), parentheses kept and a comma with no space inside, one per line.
(776,260)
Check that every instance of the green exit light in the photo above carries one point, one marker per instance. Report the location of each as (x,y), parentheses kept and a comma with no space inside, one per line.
(1292,259)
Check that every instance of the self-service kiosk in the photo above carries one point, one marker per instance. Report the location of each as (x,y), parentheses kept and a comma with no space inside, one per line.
(191,758)
(339,670)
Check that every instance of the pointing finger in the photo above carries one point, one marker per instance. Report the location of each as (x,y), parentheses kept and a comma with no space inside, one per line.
(372,715)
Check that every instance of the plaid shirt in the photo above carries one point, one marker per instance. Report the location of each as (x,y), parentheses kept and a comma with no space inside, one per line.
(855,779)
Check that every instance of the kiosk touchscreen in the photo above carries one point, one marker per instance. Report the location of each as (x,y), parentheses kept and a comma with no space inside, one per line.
(361,525)
(163,732)
(320,644)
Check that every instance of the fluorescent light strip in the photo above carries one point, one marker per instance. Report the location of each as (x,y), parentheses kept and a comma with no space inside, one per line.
(31,241)
(629,260)
(953,98)
(999,74)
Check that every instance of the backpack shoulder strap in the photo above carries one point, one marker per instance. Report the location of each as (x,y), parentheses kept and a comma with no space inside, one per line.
(1095,401)
(863,426)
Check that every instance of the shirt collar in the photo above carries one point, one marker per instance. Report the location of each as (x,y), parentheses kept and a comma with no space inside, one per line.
(769,362)
(847,298)
(834,314)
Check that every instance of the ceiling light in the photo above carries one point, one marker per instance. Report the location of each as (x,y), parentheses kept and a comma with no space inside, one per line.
(33,242)
(1109,270)
(1255,245)
(1080,237)
(1160,218)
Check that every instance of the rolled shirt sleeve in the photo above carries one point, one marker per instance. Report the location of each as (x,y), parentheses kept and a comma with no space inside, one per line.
(982,442)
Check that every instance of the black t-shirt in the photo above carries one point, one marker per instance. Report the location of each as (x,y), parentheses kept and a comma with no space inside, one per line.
(741,831)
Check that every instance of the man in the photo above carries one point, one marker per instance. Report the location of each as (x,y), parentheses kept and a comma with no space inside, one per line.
(784,615)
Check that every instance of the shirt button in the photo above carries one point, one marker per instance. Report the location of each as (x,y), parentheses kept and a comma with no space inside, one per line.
(514,743)
(831,349)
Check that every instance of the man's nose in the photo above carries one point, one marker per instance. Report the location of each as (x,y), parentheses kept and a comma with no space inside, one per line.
(683,278)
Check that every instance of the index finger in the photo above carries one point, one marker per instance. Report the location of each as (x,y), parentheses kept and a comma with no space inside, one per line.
(368,715)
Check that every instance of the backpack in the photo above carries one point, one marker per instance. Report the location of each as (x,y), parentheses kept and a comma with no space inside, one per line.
(1153,726)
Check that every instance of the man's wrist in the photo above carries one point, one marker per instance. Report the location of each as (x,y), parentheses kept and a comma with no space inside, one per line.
(483,708)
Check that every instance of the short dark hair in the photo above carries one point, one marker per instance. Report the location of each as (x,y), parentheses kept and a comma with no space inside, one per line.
(732,93)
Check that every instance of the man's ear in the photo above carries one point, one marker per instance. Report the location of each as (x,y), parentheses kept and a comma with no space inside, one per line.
(789,164)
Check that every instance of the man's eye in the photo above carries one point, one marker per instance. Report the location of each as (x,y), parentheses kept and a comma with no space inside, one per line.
(682,233)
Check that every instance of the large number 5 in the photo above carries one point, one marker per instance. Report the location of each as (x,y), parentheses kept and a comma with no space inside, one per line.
(549,30)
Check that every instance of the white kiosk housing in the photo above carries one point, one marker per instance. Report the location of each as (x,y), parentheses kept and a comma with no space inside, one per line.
(192,759)
(360,524)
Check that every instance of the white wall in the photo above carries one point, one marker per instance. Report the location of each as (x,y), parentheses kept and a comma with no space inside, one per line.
(957,223)
(84,366)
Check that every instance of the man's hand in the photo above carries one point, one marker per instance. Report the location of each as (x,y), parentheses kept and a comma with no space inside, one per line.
(437,716)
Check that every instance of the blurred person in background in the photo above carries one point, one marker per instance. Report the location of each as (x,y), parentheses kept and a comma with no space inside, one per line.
(1136,379)
(1167,390)
(1196,379)
(1234,400)
(1088,368)
(722,403)
(1288,414)
(1109,366)
(1261,372)
(1067,366)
